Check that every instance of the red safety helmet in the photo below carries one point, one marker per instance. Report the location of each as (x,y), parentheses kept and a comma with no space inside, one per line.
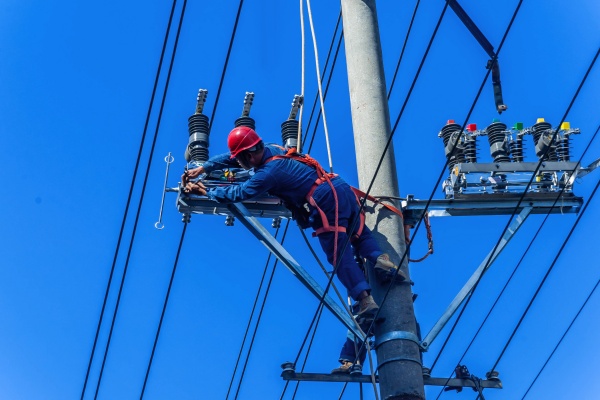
(240,139)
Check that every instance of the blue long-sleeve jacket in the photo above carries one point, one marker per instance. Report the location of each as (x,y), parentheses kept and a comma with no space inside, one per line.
(284,178)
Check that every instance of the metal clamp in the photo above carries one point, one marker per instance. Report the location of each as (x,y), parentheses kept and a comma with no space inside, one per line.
(399,359)
(397,335)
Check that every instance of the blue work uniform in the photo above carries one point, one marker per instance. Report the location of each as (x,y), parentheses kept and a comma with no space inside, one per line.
(291,181)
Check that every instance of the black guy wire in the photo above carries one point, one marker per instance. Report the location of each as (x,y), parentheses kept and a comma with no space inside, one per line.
(237,19)
(262,280)
(525,191)
(142,195)
(519,262)
(562,337)
(403,48)
(562,247)
(164,309)
(133,179)
(262,307)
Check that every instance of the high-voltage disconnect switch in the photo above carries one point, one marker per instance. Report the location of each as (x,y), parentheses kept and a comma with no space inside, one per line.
(508,172)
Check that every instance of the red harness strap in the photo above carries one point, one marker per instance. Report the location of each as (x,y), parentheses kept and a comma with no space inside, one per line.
(323,177)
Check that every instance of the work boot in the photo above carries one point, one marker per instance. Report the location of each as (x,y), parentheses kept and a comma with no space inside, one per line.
(366,313)
(386,270)
(347,368)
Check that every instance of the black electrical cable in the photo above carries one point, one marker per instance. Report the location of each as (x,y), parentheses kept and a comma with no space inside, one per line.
(562,247)
(237,18)
(141,196)
(262,280)
(262,307)
(545,277)
(164,309)
(520,261)
(562,337)
(133,179)
(403,48)
(312,338)
(524,192)
(314,254)
(343,391)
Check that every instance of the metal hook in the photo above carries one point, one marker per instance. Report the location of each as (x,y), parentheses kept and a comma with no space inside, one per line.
(159,225)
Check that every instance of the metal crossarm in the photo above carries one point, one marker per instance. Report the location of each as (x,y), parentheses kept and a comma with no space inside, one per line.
(429,381)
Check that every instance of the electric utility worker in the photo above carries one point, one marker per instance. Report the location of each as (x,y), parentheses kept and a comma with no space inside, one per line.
(314,200)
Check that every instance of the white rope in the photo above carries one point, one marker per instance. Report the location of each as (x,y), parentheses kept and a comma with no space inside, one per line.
(314,38)
(299,145)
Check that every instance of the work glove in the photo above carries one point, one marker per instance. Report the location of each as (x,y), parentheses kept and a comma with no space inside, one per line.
(195,188)
(191,174)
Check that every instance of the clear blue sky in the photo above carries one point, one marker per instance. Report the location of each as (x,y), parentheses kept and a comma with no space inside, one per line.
(76,79)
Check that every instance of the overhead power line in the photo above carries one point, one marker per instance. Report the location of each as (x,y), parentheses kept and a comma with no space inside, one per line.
(237,19)
(563,336)
(262,280)
(129,197)
(562,247)
(164,309)
(403,48)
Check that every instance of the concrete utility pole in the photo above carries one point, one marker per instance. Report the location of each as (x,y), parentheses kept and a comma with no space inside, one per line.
(398,354)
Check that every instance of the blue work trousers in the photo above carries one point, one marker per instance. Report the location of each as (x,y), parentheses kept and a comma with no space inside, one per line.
(348,271)
(350,348)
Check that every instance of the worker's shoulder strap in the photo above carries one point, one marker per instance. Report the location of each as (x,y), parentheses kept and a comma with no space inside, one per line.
(360,194)
(303,158)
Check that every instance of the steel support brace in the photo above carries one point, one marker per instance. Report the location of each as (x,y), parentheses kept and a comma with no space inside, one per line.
(258,230)
(484,266)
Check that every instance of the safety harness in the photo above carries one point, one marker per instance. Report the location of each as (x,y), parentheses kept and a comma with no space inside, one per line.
(323,177)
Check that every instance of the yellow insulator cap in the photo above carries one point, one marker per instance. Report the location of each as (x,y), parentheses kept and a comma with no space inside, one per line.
(540,120)
(565,126)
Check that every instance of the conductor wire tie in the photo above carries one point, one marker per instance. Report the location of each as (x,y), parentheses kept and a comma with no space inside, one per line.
(159,225)
(397,335)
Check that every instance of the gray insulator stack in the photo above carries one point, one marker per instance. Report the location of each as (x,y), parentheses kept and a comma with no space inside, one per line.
(517,149)
(496,134)
(289,133)
(470,148)
(198,142)
(542,135)
(454,153)
(563,148)
(245,121)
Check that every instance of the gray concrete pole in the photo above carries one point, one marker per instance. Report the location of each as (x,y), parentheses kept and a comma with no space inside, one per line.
(398,355)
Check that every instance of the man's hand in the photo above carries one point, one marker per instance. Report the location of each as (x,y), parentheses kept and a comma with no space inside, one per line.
(191,174)
(195,188)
